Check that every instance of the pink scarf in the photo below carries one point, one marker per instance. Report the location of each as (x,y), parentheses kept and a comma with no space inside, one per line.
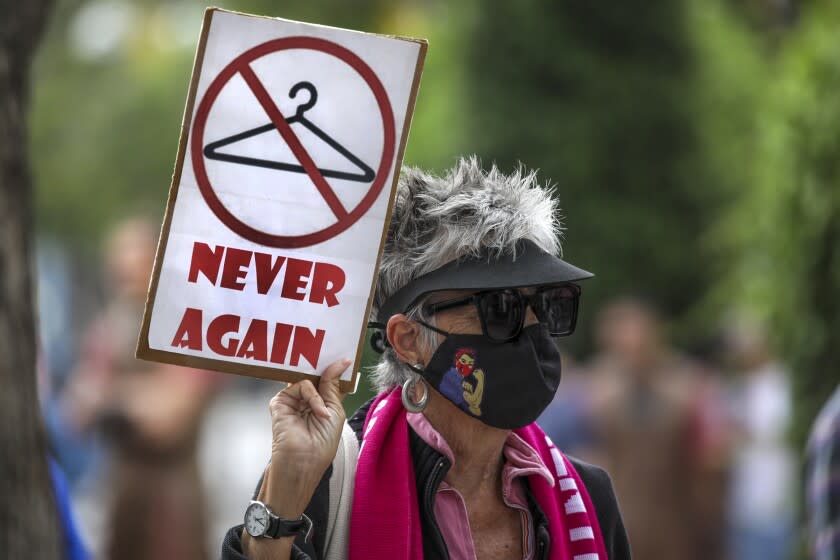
(385,522)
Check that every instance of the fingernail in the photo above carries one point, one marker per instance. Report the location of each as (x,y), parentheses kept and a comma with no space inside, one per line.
(346,361)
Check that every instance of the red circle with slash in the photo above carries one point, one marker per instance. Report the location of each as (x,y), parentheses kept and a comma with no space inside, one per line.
(241,65)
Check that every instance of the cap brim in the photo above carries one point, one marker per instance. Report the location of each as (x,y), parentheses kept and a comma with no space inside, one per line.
(527,266)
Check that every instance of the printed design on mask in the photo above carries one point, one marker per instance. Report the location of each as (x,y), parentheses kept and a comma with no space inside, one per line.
(463,383)
(473,392)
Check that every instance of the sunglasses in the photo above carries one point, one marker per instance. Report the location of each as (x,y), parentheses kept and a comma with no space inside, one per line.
(502,312)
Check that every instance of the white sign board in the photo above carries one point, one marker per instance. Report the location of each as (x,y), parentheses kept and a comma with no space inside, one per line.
(292,140)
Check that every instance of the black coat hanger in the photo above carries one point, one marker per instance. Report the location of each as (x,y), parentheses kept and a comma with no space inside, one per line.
(366,175)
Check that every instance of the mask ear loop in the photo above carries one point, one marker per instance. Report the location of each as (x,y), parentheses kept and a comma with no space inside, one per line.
(379,341)
(432,327)
(408,390)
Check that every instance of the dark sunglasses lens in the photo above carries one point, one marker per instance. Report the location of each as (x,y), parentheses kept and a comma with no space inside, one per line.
(557,308)
(501,313)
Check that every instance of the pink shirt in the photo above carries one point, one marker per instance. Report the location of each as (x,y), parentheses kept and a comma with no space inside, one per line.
(450,510)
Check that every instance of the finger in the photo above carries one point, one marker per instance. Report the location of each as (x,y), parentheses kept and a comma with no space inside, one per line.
(329,386)
(286,399)
(296,390)
(282,404)
(303,395)
(313,399)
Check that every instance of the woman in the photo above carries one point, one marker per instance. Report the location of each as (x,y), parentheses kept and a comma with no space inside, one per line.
(446,462)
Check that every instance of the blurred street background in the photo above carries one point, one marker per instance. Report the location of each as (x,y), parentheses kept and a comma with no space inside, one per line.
(695,146)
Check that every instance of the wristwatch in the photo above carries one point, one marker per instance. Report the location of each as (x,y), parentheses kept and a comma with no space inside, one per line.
(261,522)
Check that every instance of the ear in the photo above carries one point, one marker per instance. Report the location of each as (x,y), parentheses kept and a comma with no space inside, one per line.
(403,336)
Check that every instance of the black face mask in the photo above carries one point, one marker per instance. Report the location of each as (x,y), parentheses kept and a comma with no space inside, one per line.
(504,384)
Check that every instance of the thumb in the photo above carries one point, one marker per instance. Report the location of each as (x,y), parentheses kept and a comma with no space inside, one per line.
(328,386)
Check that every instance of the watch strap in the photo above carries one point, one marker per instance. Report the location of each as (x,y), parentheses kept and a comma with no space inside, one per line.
(279,527)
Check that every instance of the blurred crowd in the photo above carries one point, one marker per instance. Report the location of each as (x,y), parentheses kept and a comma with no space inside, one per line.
(697,446)
(161,460)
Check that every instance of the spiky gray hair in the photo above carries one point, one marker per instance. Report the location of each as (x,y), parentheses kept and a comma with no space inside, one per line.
(438,219)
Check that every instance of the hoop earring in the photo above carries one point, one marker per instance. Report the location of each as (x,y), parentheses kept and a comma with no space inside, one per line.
(408,389)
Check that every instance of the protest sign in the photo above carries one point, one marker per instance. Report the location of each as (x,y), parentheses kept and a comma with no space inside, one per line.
(292,140)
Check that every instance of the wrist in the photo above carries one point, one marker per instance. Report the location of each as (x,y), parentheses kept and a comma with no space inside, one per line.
(287,493)
(289,509)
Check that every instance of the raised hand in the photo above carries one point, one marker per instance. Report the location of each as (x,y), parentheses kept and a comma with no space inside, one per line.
(306,426)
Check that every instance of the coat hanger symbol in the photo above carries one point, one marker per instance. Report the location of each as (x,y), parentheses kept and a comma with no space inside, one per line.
(366,173)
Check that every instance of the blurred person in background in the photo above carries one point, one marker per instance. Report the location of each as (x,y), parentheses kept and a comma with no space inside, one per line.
(649,407)
(568,420)
(150,414)
(711,451)
(823,482)
(761,513)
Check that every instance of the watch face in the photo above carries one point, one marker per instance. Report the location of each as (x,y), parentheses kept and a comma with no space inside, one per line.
(256,519)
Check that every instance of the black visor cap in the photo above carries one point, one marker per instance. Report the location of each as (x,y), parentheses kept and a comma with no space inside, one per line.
(527,266)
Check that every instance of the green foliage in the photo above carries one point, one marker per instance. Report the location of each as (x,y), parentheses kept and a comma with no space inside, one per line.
(785,229)
(599,98)
(105,130)
(729,82)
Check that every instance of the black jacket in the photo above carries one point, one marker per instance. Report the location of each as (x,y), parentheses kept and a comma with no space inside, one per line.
(431,468)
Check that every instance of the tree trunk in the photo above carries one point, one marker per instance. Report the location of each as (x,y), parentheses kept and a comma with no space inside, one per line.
(28,520)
